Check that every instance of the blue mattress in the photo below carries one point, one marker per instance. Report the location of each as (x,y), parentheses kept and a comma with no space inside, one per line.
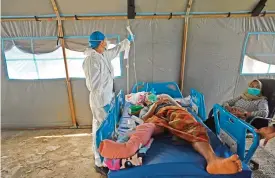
(168,158)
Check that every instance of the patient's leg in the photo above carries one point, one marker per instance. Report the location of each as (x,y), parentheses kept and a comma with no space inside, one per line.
(112,150)
(215,164)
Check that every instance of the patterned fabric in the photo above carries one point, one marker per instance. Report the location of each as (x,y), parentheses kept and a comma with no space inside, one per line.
(180,123)
(162,105)
(257,107)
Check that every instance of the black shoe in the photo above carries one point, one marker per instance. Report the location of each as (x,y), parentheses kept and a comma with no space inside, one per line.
(101,170)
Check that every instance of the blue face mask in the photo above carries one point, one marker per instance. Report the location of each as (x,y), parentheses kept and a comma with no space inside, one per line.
(254,91)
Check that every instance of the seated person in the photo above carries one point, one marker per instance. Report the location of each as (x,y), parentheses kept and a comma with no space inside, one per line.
(250,104)
(167,114)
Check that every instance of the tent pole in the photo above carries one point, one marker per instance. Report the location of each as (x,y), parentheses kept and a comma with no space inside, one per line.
(225,15)
(184,44)
(69,87)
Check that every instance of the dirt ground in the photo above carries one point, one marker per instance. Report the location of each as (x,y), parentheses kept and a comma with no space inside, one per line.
(67,153)
(265,156)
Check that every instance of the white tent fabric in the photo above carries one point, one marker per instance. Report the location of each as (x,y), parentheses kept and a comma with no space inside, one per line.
(214,54)
(42,7)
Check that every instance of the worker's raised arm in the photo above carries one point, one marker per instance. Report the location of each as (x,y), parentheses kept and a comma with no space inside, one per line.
(114,52)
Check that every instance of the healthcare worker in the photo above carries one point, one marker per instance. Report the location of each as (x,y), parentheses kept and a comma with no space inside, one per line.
(99,75)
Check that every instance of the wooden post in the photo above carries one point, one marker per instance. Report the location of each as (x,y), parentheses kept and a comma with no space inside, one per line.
(224,15)
(184,44)
(69,87)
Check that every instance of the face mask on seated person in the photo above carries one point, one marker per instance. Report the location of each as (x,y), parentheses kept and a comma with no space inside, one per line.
(254,91)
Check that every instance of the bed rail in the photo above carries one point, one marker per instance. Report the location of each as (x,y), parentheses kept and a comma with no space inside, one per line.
(232,131)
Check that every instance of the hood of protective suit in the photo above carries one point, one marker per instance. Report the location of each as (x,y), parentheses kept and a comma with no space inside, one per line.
(90,52)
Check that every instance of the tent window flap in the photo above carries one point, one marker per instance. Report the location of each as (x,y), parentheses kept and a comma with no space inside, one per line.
(258,54)
(37,62)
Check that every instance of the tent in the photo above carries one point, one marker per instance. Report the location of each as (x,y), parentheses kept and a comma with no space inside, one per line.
(226,48)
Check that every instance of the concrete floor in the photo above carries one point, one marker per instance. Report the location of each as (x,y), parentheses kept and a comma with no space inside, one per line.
(67,153)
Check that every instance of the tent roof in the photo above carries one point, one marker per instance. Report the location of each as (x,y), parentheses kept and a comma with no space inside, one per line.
(72,7)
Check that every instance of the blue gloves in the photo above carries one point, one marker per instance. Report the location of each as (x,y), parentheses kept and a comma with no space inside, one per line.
(131,37)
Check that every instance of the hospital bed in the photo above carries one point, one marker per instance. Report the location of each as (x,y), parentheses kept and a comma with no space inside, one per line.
(167,158)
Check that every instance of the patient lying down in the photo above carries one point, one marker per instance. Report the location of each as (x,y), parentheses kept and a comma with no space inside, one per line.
(166,114)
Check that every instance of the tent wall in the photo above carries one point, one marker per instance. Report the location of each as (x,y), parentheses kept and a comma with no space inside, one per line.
(153,37)
(214,55)
(81,102)
(33,103)
(212,66)
(44,7)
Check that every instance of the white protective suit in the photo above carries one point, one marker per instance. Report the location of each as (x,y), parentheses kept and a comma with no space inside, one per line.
(99,75)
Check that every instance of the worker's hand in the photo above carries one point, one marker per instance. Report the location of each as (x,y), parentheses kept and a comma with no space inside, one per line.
(131,38)
(267,133)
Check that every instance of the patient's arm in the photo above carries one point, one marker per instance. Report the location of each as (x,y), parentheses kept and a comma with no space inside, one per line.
(151,111)
(162,98)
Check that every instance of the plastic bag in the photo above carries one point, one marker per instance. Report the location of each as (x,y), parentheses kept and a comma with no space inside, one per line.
(135,98)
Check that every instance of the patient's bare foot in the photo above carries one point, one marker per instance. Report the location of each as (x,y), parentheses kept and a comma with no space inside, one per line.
(229,165)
